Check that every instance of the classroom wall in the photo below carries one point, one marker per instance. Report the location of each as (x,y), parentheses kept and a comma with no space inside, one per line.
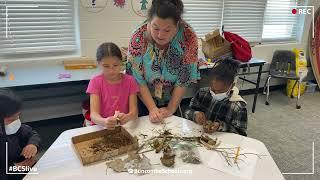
(113,24)
(116,24)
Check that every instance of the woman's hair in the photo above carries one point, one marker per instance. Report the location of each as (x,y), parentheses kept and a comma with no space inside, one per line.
(226,71)
(166,9)
(108,49)
(10,103)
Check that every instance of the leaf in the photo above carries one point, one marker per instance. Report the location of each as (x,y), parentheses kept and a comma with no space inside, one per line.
(117,165)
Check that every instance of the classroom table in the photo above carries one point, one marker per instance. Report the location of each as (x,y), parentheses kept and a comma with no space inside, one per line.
(60,161)
(34,74)
(253,63)
(46,74)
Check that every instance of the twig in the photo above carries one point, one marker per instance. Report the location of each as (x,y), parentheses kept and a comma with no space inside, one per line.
(140,147)
(145,151)
(143,135)
(237,155)
(258,155)
(237,165)
(225,148)
(226,157)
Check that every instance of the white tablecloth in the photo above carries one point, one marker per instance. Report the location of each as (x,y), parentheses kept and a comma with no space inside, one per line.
(61,161)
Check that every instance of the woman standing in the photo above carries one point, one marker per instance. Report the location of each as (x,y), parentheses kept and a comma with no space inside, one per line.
(163,58)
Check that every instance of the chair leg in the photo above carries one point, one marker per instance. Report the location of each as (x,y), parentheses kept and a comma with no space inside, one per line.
(265,86)
(298,106)
(181,114)
(294,86)
(268,90)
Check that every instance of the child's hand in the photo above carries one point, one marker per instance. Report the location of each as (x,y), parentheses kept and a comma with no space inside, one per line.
(27,162)
(211,127)
(29,151)
(124,118)
(110,122)
(200,117)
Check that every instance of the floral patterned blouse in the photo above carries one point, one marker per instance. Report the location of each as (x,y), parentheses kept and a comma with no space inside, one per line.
(177,66)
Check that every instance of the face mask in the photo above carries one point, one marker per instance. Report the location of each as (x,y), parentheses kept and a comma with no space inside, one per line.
(13,127)
(220,96)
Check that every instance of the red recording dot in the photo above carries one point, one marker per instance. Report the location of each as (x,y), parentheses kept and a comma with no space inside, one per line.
(294,11)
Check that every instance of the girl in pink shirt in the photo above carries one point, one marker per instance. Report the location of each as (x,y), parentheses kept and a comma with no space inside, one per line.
(113,95)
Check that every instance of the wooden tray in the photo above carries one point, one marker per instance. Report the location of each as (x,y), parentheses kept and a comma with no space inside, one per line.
(104,144)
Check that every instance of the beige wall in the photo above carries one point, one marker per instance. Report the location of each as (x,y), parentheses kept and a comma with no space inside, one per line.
(112,24)
(116,24)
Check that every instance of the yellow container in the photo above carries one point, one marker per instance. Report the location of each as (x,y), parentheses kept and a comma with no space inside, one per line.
(301,66)
(290,85)
(301,61)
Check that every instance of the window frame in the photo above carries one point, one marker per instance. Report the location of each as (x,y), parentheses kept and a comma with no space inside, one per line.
(51,55)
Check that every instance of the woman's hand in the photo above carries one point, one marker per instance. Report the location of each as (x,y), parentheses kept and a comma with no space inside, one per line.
(165,112)
(155,115)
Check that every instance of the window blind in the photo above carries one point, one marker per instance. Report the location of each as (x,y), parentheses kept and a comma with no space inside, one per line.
(255,20)
(37,26)
(203,16)
(279,22)
(245,18)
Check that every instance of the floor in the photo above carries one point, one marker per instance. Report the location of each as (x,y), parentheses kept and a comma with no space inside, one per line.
(287,132)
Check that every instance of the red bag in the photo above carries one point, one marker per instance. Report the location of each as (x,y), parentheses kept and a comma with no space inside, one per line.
(241,49)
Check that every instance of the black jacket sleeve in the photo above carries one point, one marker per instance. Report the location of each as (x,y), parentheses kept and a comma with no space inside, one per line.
(29,136)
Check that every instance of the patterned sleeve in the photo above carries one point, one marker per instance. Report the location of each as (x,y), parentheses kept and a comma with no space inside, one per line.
(190,71)
(135,54)
(190,45)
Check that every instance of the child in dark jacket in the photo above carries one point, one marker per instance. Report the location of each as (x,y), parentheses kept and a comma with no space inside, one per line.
(220,103)
(23,142)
